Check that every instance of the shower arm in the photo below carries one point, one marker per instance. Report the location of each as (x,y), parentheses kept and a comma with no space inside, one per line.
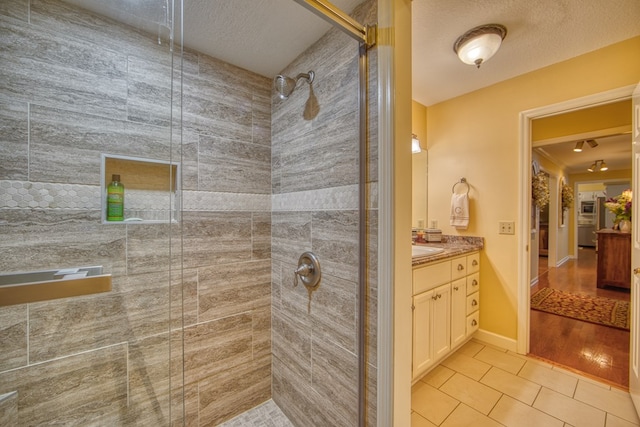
(308,76)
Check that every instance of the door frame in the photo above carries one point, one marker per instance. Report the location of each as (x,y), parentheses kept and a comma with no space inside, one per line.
(524,195)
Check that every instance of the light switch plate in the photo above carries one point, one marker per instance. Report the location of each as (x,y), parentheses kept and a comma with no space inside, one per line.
(507,227)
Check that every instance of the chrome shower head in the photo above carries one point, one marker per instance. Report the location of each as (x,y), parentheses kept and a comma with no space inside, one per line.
(285,86)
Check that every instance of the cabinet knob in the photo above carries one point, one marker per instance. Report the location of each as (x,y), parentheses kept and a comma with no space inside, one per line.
(473,322)
(455,288)
(474,283)
(474,262)
(474,303)
(435,297)
(636,270)
(460,267)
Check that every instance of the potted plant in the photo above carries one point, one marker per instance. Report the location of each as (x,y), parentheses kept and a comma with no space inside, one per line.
(620,206)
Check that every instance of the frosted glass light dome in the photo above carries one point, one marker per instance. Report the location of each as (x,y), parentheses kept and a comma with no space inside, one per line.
(476,46)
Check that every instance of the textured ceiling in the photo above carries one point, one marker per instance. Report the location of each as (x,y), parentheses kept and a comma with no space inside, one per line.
(615,150)
(264,36)
(540,33)
(259,35)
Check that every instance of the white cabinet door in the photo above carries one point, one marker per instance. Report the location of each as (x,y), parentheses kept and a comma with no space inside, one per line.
(441,320)
(458,311)
(422,347)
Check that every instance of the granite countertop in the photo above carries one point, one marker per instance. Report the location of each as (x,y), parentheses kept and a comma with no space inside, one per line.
(452,245)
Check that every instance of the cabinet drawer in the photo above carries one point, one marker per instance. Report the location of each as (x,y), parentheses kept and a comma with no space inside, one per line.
(473,263)
(429,277)
(458,268)
(473,283)
(473,302)
(473,322)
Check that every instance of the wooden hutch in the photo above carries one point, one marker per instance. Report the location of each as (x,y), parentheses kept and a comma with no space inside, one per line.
(614,259)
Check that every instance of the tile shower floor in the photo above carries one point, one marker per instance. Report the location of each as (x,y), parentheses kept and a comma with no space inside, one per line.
(266,415)
(481,386)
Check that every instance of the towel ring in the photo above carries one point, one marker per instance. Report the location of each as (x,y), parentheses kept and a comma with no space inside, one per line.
(462,181)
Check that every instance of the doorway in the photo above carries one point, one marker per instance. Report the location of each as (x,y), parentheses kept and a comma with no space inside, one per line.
(574,265)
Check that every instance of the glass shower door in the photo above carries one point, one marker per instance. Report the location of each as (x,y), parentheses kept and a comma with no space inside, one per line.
(87,92)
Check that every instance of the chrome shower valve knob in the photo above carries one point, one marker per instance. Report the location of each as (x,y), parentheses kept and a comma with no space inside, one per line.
(308,270)
(303,270)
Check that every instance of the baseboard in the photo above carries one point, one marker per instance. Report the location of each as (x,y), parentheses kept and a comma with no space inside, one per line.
(563,260)
(496,340)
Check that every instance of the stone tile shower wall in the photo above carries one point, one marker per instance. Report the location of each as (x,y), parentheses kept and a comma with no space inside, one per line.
(315,207)
(72,86)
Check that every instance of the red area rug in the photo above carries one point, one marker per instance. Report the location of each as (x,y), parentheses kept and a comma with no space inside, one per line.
(603,311)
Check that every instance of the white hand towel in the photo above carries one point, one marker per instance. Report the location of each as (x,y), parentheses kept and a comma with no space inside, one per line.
(459,211)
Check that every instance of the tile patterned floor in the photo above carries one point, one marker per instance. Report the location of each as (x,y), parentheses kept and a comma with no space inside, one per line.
(480,385)
(266,415)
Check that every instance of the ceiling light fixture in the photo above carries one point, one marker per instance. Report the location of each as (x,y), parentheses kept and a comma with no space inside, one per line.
(479,44)
(598,165)
(415,144)
(578,147)
(592,143)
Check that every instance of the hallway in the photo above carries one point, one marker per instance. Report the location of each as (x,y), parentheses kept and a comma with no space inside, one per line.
(593,350)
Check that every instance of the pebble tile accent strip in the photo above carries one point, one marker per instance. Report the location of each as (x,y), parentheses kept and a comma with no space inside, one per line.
(345,197)
(45,195)
(216,201)
(24,194)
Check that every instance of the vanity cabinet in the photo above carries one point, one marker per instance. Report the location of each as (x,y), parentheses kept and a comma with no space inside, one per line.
(446,301)
(458,312)
(431,326)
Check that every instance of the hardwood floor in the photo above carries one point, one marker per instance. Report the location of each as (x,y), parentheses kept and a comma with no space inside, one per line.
(594,350)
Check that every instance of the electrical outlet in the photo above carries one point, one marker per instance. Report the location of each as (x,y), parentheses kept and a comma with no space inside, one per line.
(507,227)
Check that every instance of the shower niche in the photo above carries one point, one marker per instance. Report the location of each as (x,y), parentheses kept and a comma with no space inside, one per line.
(151,189)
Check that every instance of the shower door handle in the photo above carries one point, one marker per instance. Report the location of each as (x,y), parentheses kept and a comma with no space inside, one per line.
(308,270)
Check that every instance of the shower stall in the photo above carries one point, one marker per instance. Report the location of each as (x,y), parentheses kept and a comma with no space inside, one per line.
(189,311)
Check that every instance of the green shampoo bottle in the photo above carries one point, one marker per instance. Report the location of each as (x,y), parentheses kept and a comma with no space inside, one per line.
(115,199)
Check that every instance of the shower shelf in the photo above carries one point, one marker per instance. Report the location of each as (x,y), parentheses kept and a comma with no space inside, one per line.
(151,187)
(34,286)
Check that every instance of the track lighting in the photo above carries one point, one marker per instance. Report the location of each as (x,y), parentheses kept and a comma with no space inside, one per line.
(579,144)
(598,165)
(578,147)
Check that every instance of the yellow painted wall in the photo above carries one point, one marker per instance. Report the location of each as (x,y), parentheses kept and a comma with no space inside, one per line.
(595,186)
(419,166)
(606,116)
(477,136)
(617,175)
